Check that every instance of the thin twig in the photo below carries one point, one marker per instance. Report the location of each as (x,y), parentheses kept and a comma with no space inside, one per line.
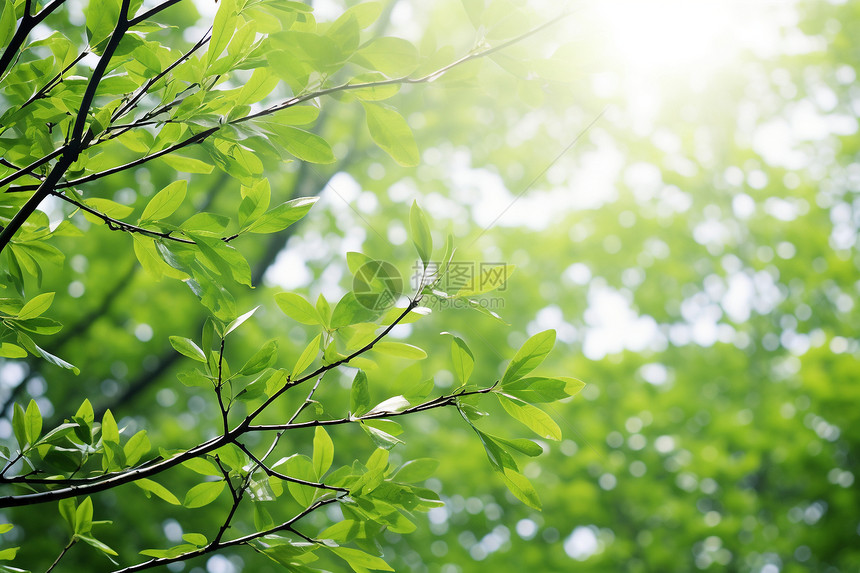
(28,169)
(68,546)
(307,401)
(53,81)
(270,472)
(212,547)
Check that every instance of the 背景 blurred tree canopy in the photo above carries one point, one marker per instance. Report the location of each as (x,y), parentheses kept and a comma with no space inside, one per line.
(695,251)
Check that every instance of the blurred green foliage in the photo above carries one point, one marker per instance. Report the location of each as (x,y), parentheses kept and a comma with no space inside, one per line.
(703,285)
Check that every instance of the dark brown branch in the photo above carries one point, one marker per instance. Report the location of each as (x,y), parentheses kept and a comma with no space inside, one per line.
(218,387)
(152,12)
(28,22)
(196,138)
(326,367)
(131,103)
(29,169)
(441,401)
(68,546)
(293,102)
(272,473)
(53,82)
(212,547)
(86,486)
(76,144)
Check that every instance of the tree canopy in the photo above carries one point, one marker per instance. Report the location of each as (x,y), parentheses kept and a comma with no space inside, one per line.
(233,233)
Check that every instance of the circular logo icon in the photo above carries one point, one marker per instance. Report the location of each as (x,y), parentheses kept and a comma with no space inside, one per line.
(377,285)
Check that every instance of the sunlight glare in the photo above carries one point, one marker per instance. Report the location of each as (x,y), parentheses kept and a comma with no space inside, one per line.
(669,35)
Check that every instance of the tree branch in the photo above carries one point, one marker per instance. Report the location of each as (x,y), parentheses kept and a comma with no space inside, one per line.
(212,547)
(29,169)
(76,144)
(28,22)
(68,546)
(291,103)
(325,368)
(270,472)
(441,401)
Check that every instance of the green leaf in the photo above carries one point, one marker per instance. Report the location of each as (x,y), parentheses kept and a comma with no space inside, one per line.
(355,261)
(151,487)
(307,358)
(34,349)
(84,517)
(365,14)
(400,349)
(255,201)
(530,355)
(102,17)
(345,530)
(394,57)
(391,405)
(573,386)
(359,560)
(521,445)
(239,321)
(36,306)
(223,259)
(416,470)
(188,348)
(184,164)
(421,237)
(282,216)
(33,422)
(165,202)
(39,325)
(9,554)
(203,494)
(392,134)
(67,511)
(197,539)
(413,315)
(97,544)
(202,466)
(175,551)
(261,360)
(533,418)
(305,145)
(324,309)
(349,310)
(136,447)
(110,439)
(295,115)
(323,452)
(9,350)
(300,467)
(521,487)
(381,438)
(222,30)
(206,224)
(231,455)
(462,357)
(107,207)
(499,457)
(298,308)
(359,398)
(19,426)
(259,85)
(542,390)
(7,21)
(5,528)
